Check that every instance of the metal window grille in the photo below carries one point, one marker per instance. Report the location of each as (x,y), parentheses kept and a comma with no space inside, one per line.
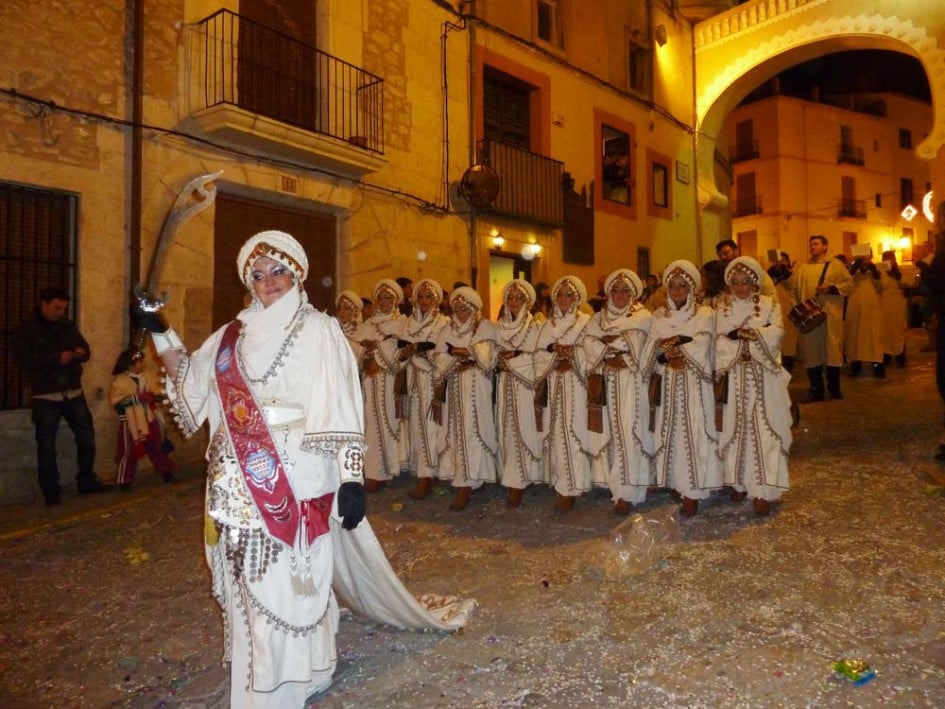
(37,250)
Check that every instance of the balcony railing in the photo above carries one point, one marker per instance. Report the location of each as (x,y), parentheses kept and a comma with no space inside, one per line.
(746,150)
(855,208)
(850,155)
(531,183)
(747,207)
(265,72)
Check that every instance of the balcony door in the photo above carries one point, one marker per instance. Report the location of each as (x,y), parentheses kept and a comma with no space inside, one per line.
(505,110)
(277,60)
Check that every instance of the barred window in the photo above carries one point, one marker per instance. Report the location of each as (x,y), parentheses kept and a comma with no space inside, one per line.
(37,250)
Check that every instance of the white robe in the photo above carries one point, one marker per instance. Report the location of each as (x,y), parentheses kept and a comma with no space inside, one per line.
(894,308)
(280,613)
(564,420)
(824,344)
(626,437)
(863,336)
(424,456)
(756,422)
(385,437)
(466,443)
(685,453)
(519,442)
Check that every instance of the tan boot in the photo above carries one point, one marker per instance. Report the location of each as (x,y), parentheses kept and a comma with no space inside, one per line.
(515,497)
(623,507)
(462,498)
(689,507)
(424,485)
(737,495)
(762,507)
(371,485)
(564,503)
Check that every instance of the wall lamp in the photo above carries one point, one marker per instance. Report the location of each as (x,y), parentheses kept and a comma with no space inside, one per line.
(659,34)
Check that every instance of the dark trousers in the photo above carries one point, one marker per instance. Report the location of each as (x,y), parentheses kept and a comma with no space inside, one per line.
(46,416)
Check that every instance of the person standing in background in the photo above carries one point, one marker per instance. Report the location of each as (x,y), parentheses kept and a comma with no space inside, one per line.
(50,350)
(894,312)
(827,281)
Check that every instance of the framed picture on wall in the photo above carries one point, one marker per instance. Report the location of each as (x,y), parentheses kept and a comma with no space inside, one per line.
(682,172)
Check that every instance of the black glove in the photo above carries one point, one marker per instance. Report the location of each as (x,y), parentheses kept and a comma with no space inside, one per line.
(551,347)
(449,348)
(682,340)
(733,334)
(401,344)
(425,346)
(150,320)
(661,358)
(352,504)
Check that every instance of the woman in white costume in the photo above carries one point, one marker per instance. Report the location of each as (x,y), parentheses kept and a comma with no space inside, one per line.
(348,307)
(419,336)
(756,420)
(464,359)
(679,368)
(284,469)
(559,362)
(519,455)
(385,436)
(614,341)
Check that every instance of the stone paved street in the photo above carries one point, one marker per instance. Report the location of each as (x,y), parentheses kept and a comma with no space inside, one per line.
(105,600)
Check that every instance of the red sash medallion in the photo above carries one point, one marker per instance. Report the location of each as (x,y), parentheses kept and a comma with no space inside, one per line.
(255,450)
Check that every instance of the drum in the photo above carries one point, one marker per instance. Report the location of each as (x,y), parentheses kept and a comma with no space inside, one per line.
(807,316)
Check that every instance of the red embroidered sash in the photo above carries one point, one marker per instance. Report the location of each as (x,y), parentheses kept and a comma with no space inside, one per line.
(255,450)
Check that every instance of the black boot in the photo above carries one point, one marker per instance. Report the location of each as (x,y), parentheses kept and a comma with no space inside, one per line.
(856,368)
(879,370)
(788,363)
(833,382)
(816,378)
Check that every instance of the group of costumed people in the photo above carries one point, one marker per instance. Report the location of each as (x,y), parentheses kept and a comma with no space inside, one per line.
(286,538)
(689,398)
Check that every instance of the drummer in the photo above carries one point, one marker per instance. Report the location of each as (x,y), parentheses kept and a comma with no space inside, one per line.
(827,281)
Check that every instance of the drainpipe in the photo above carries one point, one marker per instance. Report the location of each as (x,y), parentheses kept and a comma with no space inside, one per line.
(695,154)
(137,117)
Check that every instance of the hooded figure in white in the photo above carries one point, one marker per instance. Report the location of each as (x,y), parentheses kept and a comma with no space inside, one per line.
(614,341)
(519,441)
(561,393)
(284,470)
(386,437)
(679,367)
(756,421)
(464,359)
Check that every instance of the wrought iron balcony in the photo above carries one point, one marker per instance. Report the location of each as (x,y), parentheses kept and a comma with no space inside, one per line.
(261,87)
(747,207)
(854,208)
(530,183)
(746,150)
(850,155)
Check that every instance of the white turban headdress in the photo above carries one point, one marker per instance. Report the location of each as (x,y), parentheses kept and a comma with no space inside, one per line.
(276,245)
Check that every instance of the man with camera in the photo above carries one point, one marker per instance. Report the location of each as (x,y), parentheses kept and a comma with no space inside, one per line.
(825,281)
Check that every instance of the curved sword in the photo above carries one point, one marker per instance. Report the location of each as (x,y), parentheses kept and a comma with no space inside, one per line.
(196,196)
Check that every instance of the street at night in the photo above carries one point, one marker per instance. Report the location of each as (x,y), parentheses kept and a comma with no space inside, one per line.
(106,598)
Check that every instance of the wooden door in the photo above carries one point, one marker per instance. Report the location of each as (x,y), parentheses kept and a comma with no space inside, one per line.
(238,218)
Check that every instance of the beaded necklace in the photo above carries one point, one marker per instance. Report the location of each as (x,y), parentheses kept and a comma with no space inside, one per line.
(279,360)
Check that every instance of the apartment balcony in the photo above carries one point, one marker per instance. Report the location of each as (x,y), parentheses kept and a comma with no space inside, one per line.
(530,183)
(853,209)
(746,150)
(262,90)
(747,207)
(850,155)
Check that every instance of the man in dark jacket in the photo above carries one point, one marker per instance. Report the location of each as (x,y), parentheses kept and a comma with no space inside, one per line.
(50,350)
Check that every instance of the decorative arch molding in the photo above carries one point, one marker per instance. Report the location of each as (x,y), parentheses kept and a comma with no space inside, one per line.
(871,31)
(716,100)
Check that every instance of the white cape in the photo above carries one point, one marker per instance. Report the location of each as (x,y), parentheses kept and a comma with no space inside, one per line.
(365,583)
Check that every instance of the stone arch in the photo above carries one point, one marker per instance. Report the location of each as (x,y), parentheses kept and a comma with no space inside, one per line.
(759,62)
